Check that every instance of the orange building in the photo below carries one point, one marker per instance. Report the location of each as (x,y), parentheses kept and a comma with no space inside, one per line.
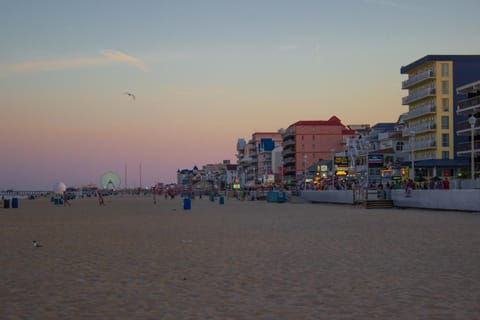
(308,142)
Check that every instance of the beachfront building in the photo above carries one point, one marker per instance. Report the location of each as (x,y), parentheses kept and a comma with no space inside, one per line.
(254,158)
(381,146)
(468,112)
(431,121)
(220,176)
(306,143)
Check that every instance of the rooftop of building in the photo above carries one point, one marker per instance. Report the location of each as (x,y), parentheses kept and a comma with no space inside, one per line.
(440,57)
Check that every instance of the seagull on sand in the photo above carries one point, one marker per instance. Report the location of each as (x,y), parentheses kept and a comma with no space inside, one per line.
(131,95)
(36,244)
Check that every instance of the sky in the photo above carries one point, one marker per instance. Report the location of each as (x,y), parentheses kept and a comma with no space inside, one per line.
(204,73)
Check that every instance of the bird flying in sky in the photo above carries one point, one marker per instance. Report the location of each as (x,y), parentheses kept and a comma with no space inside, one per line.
(130,94)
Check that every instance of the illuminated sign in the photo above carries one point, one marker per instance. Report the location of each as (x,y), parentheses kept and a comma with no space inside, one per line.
(341,172)
(375,160)
(341,162)
(236,186)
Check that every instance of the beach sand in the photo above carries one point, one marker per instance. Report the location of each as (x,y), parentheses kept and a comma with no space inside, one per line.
(133,259)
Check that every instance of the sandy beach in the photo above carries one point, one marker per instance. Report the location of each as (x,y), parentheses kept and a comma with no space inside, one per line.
(133,259)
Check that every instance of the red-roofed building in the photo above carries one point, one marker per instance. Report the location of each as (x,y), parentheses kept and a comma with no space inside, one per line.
(307,142)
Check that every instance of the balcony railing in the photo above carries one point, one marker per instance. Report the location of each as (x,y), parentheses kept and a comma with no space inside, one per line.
(418,78)
(469,104)
(428,108)
(288,142)
(432,126)
(418,95)
(465,148)
(464,127)
(289,160)
(420,145)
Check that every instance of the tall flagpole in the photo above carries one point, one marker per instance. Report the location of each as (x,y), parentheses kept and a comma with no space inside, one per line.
(125,177)
(140,175)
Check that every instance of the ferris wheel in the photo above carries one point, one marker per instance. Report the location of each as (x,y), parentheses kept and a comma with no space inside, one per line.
(110,180)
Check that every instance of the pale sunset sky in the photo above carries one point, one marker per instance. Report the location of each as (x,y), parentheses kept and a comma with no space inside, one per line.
(204,73)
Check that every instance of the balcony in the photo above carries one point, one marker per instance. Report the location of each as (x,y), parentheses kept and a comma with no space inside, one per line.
(420,145)
(418,78)
(421,128)
(464,128)
(288,142)
(469,105)
(426,109)
(288,134)
(464,149)
(287,152)
(418,95)
(288,160)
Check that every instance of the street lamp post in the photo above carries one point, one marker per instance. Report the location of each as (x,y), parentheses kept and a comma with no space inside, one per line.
(305,171)
(472,121)
(333,169)
(412,174)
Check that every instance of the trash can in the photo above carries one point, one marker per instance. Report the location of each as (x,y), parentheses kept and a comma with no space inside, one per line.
(212,196)
(221,200)
(6,203)
(186,204)
(14,202)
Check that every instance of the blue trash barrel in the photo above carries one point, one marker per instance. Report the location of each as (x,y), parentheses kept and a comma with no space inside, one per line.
(55,201)
(212,196)
(186,204)
(6,203)
(14,202)
(221,200)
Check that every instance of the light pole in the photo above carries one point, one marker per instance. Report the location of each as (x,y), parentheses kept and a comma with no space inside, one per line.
(367,147)
(412,174)
(304,171)
(333,168)
(472,121)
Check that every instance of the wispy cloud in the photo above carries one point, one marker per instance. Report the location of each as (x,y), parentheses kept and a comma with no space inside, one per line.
(106,57)
(118,56)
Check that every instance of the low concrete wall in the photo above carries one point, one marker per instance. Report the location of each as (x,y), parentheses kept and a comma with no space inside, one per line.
(333,196)
(465,199)
(462,200)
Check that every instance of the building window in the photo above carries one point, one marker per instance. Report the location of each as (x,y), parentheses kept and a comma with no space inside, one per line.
(445,140)
(444,122)
(445,87)
(313,137)
(445,103)
(313,146)
(302,138)
(444,69)
(445,155)
(399,146)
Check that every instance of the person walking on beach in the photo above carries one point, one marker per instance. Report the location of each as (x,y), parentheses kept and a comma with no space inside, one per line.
(65,199)
(101,202)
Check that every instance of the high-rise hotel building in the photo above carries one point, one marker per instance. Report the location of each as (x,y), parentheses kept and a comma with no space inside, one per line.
(431,122)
